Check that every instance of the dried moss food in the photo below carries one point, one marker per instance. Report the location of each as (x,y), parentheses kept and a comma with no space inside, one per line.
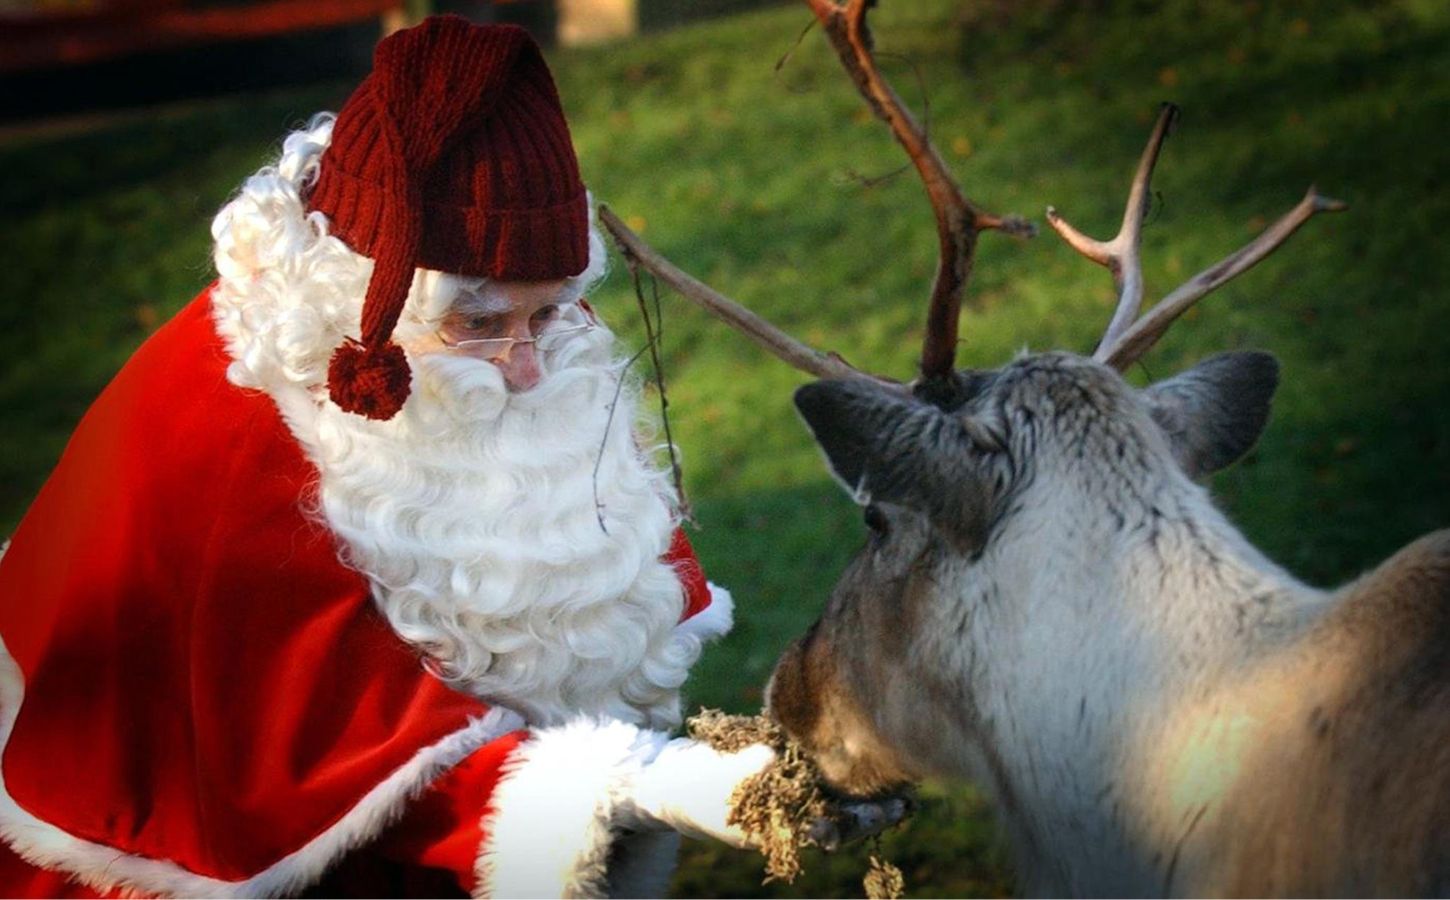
(776,807)
(883,880)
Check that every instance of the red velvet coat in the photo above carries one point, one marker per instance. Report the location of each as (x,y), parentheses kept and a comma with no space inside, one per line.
(195,695)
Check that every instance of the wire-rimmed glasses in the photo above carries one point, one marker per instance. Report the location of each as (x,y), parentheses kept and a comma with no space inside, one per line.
(492,348)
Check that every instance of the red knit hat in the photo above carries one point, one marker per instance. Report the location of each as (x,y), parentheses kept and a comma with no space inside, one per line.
(453,154)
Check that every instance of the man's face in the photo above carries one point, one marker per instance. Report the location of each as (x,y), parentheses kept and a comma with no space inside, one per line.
(497,321)
(509,521)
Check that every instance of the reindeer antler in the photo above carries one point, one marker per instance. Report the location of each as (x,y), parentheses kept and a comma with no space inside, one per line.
(1120,254)
(958,220)
(1128,337)
(822,364)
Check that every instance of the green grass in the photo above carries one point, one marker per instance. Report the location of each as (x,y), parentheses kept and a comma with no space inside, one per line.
(746,177)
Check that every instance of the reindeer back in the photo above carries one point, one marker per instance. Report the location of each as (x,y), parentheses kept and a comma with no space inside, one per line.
(1351,795)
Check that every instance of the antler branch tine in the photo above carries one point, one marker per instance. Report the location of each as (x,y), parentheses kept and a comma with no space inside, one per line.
(958,219)
(815,362)
(1121,255)
(1139,338)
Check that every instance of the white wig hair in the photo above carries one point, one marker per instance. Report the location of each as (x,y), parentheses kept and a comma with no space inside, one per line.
(514,537)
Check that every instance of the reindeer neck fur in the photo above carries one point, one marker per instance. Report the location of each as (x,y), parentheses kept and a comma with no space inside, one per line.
(1050,604)
(1127,623)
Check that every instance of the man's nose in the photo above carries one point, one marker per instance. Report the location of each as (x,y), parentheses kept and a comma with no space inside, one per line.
(520,367)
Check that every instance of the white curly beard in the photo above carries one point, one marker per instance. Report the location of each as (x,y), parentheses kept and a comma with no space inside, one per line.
(503,533)
(474,513)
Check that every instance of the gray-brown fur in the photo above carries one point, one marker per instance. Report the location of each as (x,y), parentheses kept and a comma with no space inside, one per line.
(1355,798)
(1048,603)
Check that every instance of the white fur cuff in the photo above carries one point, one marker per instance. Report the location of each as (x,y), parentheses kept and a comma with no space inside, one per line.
(715,620)
(550,832)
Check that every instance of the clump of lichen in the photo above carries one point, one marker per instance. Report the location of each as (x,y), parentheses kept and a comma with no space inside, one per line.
(777,807)
(883,880)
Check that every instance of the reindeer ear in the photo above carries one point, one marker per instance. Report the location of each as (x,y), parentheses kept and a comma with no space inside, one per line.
(1214,412)
(888,446)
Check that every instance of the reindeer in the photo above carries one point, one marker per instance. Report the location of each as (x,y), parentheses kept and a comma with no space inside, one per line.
(1050,604)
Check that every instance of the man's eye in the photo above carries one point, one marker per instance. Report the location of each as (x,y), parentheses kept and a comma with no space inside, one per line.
(478,323)
(545,314)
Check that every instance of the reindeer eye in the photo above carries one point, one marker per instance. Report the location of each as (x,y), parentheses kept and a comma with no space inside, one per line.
(875,519)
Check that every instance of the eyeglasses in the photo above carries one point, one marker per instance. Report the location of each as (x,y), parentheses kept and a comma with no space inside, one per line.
(492,348)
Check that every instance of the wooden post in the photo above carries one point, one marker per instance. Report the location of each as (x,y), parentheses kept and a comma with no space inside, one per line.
(596,21)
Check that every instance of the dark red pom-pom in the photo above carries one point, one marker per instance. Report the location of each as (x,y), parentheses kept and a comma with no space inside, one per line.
(372,383)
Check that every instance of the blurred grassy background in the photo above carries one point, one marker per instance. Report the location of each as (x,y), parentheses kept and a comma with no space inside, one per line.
(750,178)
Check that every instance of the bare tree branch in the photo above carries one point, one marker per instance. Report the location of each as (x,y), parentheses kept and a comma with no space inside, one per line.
(654,333)
(1146,331)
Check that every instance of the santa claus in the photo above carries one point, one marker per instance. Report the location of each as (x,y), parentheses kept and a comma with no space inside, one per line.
(356,579)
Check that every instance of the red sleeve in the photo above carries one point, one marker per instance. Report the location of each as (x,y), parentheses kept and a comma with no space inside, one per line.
(682,557)
(433,848)
(431,851)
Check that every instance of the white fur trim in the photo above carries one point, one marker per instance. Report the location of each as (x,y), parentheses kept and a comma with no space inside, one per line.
(105,869)
(715,620)
(552,826)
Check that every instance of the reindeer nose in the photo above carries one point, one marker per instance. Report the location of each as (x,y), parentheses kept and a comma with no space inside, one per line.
(520,367)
